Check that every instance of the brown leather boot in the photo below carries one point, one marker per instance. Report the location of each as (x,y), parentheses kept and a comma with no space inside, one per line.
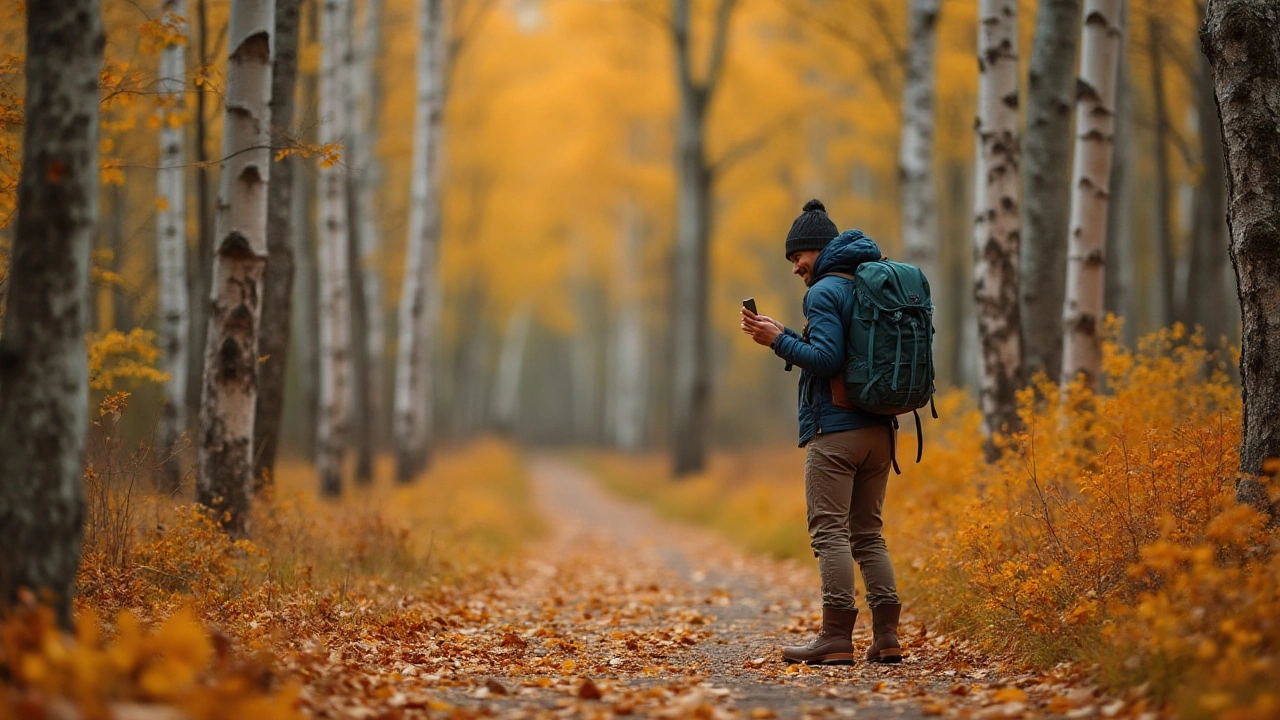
(884,625)
(834,646)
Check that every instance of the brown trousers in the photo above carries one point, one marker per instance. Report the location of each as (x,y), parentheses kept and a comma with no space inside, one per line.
(845,475)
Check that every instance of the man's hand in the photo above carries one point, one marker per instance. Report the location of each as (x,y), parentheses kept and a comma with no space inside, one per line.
(761,328)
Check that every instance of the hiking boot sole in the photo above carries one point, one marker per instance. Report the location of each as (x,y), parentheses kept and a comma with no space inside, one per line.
(887,656)
(831,659)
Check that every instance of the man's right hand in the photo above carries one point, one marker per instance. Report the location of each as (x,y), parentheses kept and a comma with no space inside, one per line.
(762,328)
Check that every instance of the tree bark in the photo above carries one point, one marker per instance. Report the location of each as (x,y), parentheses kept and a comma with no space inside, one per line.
(171,247)
(1242,40)
(202,269)
(1162,232)
(629,355)
(916,188)
(44,382)
(415,349)
(277,299)
(995,228)
(1206,291)
(1046,158)
(1095,134)
(231,347)
(334,239)
(691,399)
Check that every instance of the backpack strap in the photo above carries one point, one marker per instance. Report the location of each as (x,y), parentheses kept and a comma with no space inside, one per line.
(919,437)
(893,445)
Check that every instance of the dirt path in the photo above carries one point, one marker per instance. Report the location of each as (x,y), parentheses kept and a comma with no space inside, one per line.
(621,613)
(668,620)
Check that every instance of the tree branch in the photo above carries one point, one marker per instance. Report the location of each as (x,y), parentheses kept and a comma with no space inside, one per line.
(748,146)
(889,88)
(719,45)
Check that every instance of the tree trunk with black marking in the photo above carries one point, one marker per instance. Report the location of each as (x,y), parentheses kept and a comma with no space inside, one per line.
(240,261)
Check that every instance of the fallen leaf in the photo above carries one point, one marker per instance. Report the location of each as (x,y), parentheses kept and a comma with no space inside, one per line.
(496,687)
(763,713)
(1009,694)
(589,690)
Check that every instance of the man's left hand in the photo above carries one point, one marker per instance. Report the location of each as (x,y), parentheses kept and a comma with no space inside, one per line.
(762,328)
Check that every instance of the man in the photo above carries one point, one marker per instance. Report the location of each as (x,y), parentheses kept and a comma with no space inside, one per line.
(848,451)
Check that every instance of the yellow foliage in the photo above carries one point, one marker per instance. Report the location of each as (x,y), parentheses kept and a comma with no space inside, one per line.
(1108,532)
(113,356)
(175,664)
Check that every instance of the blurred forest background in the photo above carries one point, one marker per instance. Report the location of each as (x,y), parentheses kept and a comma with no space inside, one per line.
(557,186)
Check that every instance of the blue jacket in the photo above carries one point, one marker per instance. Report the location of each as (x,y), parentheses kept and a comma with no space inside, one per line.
(821,354)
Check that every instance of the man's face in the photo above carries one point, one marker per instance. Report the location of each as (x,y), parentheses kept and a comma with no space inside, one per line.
(802,264)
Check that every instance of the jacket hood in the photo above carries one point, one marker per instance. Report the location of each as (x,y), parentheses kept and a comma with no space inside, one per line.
(843,254)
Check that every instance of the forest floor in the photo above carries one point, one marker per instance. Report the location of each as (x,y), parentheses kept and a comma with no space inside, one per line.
(621,613)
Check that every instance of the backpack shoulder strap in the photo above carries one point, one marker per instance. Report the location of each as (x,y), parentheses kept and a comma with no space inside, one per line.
(846,276)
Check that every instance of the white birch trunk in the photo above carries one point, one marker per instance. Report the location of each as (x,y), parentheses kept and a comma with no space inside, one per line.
(333,237)
(996,217)
(44,386)
(171,250)
(415,348)
(917,193)
(629,361)
(1095,127)
(506,391)
(370,184)
(240,260)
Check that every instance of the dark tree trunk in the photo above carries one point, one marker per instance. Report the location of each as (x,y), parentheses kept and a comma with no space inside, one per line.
(1046,189)
(1119,251)
(1206,292)
(1242,40)
(1162,234)
(201,268)
(691,400)
(277,299)
(43,365)
(363,422)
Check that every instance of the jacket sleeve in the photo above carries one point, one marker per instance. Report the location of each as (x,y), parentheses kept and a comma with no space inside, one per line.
(823,355)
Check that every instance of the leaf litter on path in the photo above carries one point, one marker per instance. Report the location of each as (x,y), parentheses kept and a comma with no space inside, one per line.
(623,614)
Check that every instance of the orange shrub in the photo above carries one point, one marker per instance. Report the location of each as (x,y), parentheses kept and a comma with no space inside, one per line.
(1106,534)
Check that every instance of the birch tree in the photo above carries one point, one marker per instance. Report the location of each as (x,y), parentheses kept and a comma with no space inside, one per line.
(44,384)
(629,357)
(917,192)
(995,231)
(506,388)
(367,331)
(1046,162)
(691,400)
(201,268)
(1240,38)
(277,299)
(415,347)
(333,235)
(1100,48)
(171,248)
(231,347)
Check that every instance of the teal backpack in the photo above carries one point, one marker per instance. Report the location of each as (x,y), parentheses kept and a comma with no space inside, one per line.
(888,366)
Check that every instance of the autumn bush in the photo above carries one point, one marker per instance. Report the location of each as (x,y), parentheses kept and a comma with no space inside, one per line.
(1107,535)
(222,607)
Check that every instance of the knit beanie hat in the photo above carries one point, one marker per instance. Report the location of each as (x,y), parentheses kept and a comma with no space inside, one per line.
(812,230)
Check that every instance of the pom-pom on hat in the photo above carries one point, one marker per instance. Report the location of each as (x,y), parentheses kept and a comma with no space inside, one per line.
(812,230)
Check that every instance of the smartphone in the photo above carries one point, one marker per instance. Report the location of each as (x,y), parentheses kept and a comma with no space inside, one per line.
(750,304)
